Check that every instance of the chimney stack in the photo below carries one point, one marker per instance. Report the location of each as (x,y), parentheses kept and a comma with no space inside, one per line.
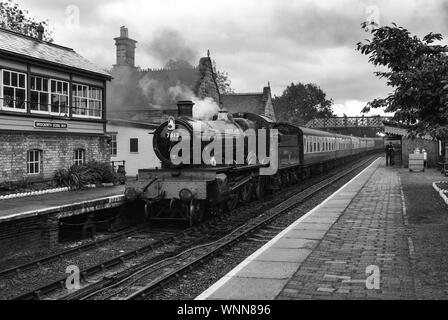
(185,108)
(124,32)
(125,49)
(40,32)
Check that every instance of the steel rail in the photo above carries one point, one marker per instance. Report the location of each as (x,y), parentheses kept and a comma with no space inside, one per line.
(68,252)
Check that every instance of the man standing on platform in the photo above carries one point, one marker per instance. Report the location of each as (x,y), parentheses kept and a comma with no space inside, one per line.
(390,154)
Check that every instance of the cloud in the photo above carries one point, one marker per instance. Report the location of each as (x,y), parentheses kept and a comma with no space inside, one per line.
(255,41)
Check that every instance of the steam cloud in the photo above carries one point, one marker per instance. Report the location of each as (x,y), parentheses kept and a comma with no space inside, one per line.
(204,109)
(160,95)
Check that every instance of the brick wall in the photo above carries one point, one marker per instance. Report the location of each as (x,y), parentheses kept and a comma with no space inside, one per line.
(57,152)
(28,234)
(431,147)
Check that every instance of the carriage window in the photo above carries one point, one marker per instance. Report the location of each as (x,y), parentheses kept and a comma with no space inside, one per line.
(306,144)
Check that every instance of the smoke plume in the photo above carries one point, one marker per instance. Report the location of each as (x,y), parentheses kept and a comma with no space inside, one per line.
(168,44)
(161,95)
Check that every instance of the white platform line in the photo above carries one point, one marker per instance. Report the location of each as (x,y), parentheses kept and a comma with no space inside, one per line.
(215,287)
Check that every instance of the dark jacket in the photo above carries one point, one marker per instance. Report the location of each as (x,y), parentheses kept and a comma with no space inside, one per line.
(389,149)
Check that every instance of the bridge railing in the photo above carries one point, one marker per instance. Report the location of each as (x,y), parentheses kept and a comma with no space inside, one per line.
(347,122)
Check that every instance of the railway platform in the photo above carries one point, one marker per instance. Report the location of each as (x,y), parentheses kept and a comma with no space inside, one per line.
(33,222)
(64,203)
(381,236)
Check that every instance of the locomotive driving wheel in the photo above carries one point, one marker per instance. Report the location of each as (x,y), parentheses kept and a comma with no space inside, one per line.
(260,189)
(232,203)
(246,193)
(286,179)
(195,212)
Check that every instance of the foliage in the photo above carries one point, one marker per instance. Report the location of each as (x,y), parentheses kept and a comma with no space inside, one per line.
(417,70)
(301,103)
(223,82)
(76,177)
(18,20)
(103,172)
(25,185)
(15,185)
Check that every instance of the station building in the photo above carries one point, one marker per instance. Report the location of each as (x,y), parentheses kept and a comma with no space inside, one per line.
(404,145)
(52,108)
(131,145)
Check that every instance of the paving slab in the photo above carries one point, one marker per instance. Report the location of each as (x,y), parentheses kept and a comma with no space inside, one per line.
(280,259)
(249,289)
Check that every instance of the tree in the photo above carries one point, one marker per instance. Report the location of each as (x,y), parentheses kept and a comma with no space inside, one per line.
(417,70)
(222,80)
(301,103)
(18,20)
(224,83)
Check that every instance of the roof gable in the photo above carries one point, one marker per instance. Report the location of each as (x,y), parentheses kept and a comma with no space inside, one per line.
(22,45)
(246,102)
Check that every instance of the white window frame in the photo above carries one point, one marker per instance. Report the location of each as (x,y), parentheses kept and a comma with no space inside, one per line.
(2,86)
(31,164)
(50,85)
(90,98)
(39,92)
(77,160)
(112,147)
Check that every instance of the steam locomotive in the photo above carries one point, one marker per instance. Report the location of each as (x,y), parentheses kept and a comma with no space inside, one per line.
(213,165)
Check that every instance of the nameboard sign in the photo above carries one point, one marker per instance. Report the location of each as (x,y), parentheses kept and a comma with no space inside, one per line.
(50,125)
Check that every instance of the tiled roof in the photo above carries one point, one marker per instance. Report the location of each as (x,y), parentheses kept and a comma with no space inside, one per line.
(30,47)
(249,102)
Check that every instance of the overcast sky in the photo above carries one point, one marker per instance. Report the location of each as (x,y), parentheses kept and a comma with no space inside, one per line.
(280,41)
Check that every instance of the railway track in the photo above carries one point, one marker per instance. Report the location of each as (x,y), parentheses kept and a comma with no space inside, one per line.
(37,263)
(140,281)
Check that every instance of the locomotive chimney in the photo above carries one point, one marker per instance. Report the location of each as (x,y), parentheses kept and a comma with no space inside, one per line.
(185,108)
